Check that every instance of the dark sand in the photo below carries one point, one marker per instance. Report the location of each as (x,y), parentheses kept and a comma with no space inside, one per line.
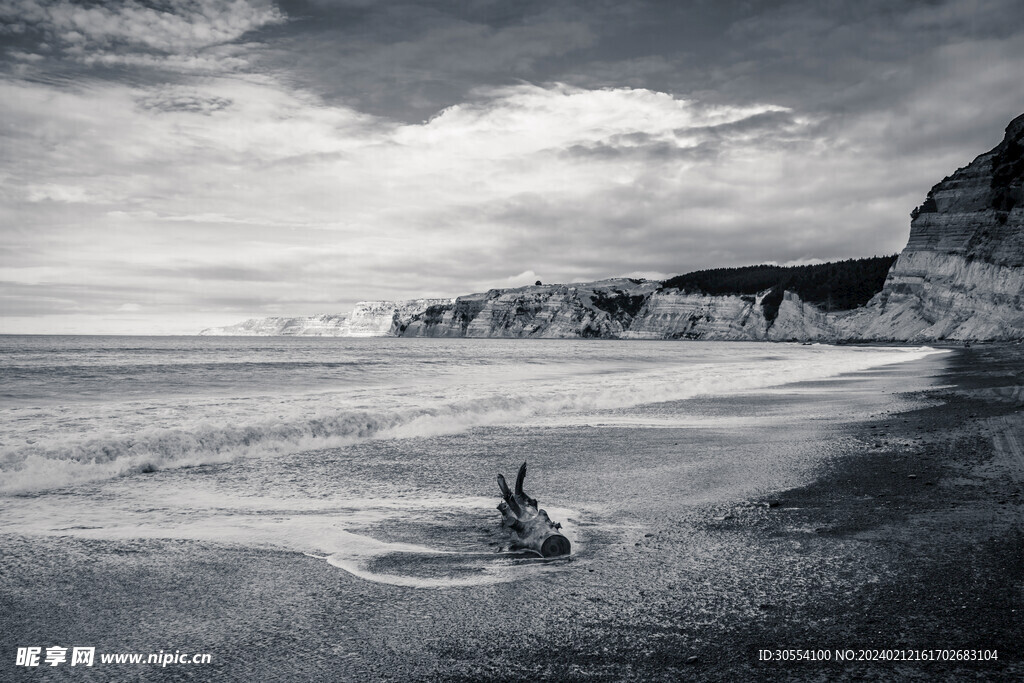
(909,538)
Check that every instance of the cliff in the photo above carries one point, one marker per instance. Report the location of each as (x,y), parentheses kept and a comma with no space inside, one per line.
(385,318)
(603,309)
(619,309)
(367,319)
(961,275)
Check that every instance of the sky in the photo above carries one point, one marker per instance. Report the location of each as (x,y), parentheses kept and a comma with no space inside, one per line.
(170,165)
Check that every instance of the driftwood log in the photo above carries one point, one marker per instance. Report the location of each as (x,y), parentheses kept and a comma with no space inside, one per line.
(531,527)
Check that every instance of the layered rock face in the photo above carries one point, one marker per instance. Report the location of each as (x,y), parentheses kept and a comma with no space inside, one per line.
(367,319)
(800,321)
(677,315)
(603,309)
(961,275)
(385,318)
(620,309)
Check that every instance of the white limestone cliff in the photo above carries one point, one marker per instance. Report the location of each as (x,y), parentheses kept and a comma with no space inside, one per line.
(367,319)
(619,309)
(798,320)
(678,315)
(961,275)
(385,318)
(602,309)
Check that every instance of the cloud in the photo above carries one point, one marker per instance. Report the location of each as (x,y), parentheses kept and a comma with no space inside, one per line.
(183,35)
(173,27)
(69,194)
(527,277)
(204,159)
(407,60)
(182,194)
(182,99)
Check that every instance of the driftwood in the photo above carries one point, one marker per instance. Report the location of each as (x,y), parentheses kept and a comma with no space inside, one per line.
(532,528)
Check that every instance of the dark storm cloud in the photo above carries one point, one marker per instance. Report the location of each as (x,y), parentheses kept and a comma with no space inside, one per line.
(408,60)
(886,65)
(911,68)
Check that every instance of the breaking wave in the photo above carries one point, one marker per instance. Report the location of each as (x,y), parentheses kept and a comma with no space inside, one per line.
(90,448)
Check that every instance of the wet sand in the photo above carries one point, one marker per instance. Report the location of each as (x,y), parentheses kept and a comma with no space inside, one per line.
(904,532)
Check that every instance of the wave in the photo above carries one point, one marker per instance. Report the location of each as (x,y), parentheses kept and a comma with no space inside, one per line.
(61,461)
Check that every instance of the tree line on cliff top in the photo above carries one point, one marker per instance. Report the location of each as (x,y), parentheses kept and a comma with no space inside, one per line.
(834,286)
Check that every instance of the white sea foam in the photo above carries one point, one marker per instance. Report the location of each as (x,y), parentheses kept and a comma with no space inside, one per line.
(471,568)
(335,530)
(58,445)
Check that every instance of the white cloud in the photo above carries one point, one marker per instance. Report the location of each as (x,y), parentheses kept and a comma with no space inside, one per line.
(192,36)
(330,203)
(181,26)
(198,191)
(527,277)
(69,194)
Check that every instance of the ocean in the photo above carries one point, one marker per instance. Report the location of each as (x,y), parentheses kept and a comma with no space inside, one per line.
(378,456)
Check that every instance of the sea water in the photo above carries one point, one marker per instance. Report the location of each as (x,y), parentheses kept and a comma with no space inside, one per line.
(378,455)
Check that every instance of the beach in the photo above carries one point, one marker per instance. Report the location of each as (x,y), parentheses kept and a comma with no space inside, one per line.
(406,340)
(878,510)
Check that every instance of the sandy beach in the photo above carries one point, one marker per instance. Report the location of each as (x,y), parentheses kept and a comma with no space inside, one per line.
(889,518)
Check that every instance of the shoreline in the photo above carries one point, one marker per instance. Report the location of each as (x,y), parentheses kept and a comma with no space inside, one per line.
(929,511)
(937,343)
(862,556)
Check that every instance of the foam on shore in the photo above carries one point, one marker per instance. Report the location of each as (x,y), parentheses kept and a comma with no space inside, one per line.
(93,443)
